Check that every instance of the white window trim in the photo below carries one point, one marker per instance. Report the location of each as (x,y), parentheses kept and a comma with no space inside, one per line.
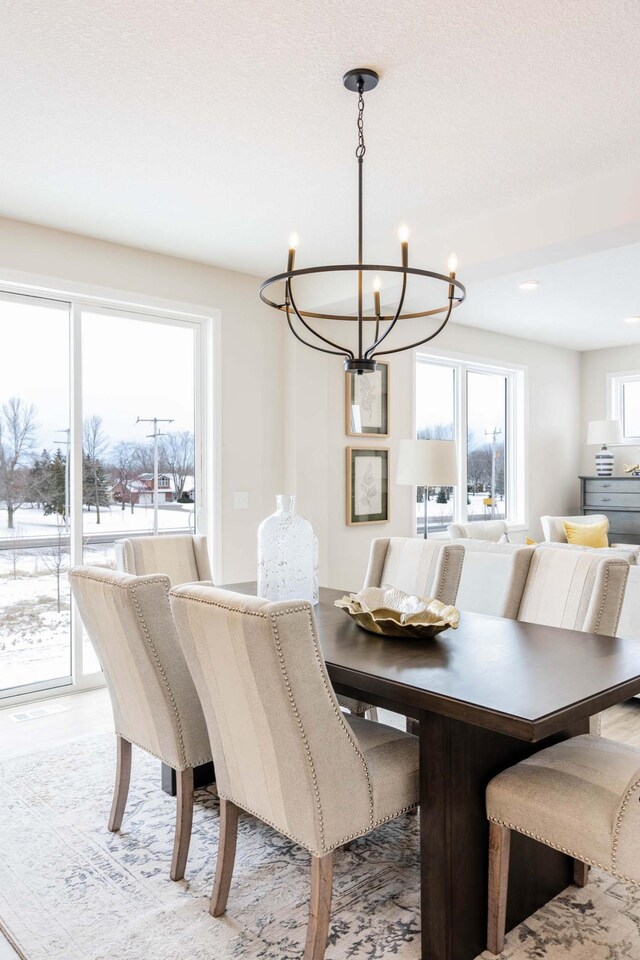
(615,384)
(517,413)
(206,324)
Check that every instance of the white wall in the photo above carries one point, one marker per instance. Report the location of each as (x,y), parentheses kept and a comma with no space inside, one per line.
(596,364)
(252,368)
(283,404)
(315,404)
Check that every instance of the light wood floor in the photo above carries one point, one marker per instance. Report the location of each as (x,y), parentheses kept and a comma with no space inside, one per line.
(87,714)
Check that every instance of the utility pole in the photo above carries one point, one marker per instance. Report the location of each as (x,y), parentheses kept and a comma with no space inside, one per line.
(67,443)
(156,433)
(493,434)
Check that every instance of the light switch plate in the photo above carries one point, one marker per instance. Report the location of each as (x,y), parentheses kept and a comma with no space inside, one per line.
(241,501)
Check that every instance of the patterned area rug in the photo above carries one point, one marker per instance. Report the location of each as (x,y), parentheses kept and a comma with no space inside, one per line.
(70,890)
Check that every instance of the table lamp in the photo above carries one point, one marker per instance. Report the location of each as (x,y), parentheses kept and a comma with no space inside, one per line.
(604,432)
(427,463)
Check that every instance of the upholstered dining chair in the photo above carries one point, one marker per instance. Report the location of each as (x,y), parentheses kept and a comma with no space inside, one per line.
(284,751)
(577,591)
(493,577)
(427,568)
(579,796)
(154,700)
(183,558)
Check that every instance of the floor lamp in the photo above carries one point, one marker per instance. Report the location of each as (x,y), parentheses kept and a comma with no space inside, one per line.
(427,463)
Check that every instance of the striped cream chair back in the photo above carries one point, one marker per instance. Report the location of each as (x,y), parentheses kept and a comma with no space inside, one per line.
(283,749)
(578,591)
(183,558)
(493,577)
(427,568)
(629,624)
(154,700)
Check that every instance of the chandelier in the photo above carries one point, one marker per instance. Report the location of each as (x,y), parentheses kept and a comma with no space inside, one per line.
(373,327)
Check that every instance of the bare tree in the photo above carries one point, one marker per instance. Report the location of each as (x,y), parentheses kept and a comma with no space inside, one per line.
(439,431)
(177,457)
(18,428)
(125,460)
(94,442)
(55,556)
(13,552)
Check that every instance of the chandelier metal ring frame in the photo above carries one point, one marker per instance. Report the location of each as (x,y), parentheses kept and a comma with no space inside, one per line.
(361,80)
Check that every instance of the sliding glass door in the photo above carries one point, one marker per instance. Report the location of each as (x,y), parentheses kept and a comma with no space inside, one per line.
(100,438)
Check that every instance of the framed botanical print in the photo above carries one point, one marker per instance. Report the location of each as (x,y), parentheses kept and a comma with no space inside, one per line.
(367,485)
(367,403)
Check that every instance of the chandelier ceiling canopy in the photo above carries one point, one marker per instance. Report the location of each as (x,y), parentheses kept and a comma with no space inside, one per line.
(372,328)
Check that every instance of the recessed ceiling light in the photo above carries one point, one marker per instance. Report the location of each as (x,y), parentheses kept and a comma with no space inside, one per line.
(528,284)
(632,319)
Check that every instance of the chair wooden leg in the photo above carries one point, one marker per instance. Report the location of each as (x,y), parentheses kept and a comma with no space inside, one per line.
(184,820)
(372,714)
(319,907)
(499,845)
(121,788)
(580,873)
(226,857)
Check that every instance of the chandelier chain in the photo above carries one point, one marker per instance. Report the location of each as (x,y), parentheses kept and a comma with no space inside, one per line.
(361,148)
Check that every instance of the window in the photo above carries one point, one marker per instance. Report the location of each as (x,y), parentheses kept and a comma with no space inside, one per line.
(482,408)
(624,404)
(80,386)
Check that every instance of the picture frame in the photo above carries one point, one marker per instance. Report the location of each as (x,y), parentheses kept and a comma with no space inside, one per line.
(367,485)
(367,403)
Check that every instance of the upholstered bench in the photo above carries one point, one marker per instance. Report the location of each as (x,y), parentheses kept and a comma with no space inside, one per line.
(579,796)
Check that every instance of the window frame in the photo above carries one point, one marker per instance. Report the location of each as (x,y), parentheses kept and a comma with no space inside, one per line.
(206,325)
(516,418)
(615,401)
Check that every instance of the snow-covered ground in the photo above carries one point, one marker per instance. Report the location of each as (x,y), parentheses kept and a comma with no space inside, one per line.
(35,637)
(31,521)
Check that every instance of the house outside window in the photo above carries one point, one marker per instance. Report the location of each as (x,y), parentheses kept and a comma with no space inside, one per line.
(481,407)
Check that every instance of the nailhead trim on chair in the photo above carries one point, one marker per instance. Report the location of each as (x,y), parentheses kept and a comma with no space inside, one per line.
(339,714)
(616,833)
(573,853)
(169,763)
(280,613)
(301,843)
(132,589)
(445,566)
(611,563)
(296,713)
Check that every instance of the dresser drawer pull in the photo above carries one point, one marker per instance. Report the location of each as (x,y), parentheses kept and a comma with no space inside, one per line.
(605,486)
(606,499)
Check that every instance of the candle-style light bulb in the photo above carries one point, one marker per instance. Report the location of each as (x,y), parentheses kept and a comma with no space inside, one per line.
(452,263)
(293,244)
(403,233)
(377,284)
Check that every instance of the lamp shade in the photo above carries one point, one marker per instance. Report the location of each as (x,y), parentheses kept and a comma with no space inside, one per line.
(604,431)
(427,463)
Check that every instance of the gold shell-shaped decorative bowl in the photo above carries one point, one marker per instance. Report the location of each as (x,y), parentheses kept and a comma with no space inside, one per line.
(392,613)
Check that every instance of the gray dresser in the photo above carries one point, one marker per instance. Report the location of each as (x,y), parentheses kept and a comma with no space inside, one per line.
(619,499)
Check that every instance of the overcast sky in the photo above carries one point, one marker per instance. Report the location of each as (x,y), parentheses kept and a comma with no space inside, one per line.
(435,399)
(131,368)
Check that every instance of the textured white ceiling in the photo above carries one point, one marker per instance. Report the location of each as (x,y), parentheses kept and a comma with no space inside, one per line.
(580,303)
(210,130)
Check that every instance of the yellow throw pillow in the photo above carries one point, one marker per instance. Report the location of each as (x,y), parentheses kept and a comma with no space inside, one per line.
(531,543)
(587,534)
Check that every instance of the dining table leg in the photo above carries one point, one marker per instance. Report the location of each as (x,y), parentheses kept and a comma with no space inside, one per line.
(457,761)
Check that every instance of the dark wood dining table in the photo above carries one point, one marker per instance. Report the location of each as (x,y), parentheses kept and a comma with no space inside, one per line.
(486,696)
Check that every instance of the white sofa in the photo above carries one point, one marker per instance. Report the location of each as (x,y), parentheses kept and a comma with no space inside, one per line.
(491,530)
